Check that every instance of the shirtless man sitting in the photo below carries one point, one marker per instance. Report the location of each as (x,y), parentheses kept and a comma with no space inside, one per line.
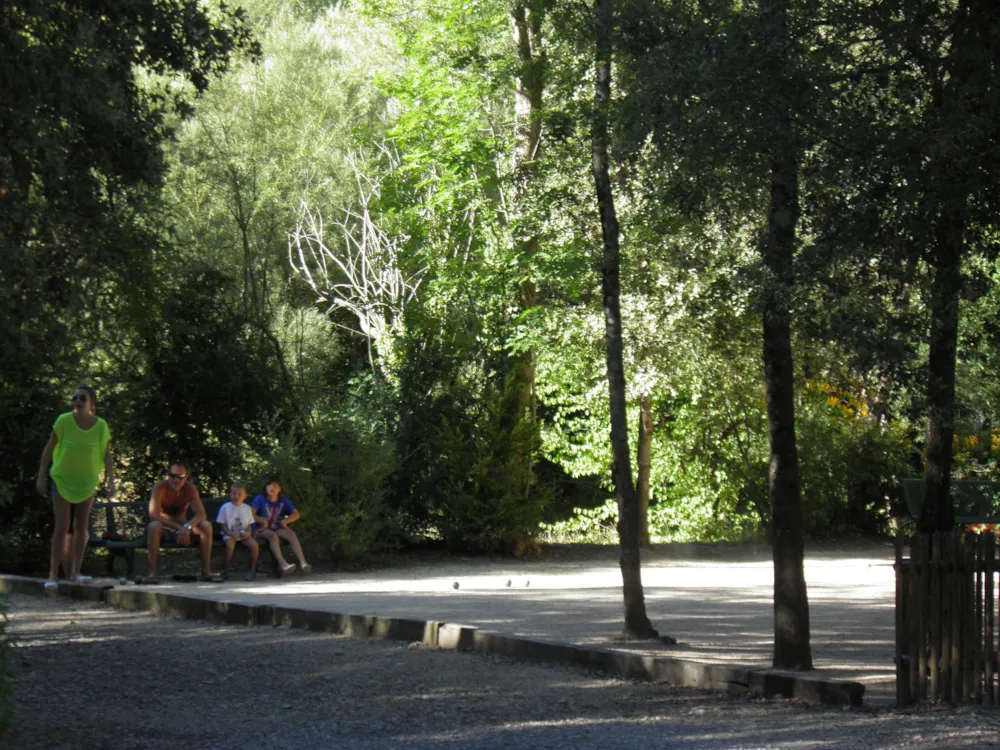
(169,503)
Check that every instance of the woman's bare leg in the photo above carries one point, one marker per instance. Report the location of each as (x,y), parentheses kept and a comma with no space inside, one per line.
(61,509)
(81,530)
(67,556)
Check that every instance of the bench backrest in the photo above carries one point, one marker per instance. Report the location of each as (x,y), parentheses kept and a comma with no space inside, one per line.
(129,519)
(974,501)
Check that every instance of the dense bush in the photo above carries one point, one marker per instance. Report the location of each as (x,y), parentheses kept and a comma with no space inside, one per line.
(467,448)
(337,478)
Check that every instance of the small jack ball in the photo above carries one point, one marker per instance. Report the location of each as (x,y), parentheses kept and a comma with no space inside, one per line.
(122,581)
(455,585)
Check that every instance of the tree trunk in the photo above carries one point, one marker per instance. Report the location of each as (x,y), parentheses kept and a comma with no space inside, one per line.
(644,462)
(938,513)
(791,604)
(637,624)
(526,23)
(966,81)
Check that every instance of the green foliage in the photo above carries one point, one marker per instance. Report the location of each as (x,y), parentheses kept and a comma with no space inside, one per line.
(82,133)
(158,268)
(586,526)
(850,464)
(338,481)
(200,382)
(22,541)
(710,468)
(466,468)
(487,497)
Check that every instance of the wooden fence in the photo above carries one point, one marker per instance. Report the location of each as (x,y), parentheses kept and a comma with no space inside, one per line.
(946,639)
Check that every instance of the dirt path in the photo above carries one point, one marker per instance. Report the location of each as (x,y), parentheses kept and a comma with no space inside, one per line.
(91,677)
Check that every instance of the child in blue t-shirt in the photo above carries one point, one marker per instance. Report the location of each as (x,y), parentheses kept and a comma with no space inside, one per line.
(277,512)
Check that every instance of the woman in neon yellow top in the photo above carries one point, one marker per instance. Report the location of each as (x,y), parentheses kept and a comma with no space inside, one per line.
(78,449)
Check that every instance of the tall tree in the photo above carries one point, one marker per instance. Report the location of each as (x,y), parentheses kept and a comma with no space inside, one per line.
(637,624)
(917,120)
(791,605)
(960,166)
(526,20)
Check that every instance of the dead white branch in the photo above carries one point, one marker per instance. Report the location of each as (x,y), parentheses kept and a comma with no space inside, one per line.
(356,266)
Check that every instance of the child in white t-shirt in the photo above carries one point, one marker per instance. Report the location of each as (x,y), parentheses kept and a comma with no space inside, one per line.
(237,520)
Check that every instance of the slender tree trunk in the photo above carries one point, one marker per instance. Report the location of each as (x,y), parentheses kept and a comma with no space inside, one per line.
(637,624)
(938,513)
(967,79)
(528,89)
(644,463)
(984,447)
(791,604)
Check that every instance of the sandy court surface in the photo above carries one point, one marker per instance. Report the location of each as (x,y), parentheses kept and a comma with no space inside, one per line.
(715,600)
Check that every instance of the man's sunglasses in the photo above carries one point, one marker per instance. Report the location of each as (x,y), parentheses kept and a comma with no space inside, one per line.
(177,476)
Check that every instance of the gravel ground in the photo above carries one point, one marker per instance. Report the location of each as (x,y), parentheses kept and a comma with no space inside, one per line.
(87,676)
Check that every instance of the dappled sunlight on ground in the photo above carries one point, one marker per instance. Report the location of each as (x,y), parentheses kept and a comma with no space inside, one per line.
(719,610)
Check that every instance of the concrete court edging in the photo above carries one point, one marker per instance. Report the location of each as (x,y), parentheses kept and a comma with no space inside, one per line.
(735,680)
(11,584)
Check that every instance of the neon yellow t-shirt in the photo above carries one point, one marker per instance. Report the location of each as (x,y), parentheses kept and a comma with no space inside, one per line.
(78,459)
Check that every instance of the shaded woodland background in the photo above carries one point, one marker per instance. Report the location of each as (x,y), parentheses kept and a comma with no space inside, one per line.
(357,244)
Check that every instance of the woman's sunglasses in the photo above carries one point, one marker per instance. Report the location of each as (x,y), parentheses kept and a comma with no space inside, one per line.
(177,476)
(79,399)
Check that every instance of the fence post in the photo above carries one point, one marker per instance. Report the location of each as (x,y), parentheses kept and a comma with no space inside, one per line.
(937,574)
(949,621)
(980,622)
(903,656)
(989,542)
(959,619)
(919,551)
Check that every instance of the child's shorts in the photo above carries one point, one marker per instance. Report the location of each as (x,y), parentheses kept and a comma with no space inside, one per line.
(226,538)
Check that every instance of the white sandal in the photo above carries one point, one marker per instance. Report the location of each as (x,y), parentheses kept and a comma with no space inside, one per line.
(51,587)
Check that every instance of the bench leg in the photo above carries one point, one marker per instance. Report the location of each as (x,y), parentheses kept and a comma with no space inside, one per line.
(130,564)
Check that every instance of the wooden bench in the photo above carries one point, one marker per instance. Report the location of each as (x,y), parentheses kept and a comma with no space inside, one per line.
(120,528)
(976,503)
